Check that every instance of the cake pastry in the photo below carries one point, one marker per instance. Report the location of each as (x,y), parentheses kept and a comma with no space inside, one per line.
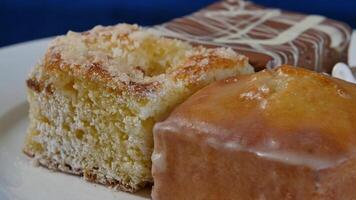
(287,133)
(269,37)
(96,95)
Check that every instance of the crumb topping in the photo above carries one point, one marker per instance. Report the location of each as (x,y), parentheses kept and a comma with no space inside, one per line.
(133,57)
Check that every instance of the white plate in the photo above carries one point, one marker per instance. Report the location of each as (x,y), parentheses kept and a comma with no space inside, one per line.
(19,179)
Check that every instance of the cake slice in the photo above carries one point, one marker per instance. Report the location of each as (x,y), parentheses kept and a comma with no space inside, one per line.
(270,37)
(287,133)
(96,95)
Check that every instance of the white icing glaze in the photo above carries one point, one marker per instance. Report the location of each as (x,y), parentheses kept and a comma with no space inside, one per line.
(290,158)
(342,71)
(221,28)
(271,153)
(296,159)
(352,51)
(159,161)
(334,34)
(281,38)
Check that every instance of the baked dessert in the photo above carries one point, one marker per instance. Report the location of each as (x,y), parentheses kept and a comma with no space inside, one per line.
(286,133)
(268,36)
(96,95)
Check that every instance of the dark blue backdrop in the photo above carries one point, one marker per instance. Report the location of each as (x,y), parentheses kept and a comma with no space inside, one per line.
(22,20)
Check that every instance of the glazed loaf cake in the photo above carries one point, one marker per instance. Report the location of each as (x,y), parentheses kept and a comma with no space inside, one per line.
(268,36)
(287,133)
(96,95)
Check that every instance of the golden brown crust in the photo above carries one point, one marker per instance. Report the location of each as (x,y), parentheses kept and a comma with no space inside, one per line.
(34,85)
(93,59)
(289,104)
(103,54)
(200,64)
(287,133)
(38,86)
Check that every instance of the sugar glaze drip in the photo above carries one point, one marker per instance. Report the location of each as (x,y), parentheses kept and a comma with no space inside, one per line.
(272,153)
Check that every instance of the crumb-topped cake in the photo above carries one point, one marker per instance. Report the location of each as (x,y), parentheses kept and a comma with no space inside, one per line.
(287,133)
(96,95)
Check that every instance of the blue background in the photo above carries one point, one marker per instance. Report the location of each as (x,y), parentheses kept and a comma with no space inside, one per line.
(22,20)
